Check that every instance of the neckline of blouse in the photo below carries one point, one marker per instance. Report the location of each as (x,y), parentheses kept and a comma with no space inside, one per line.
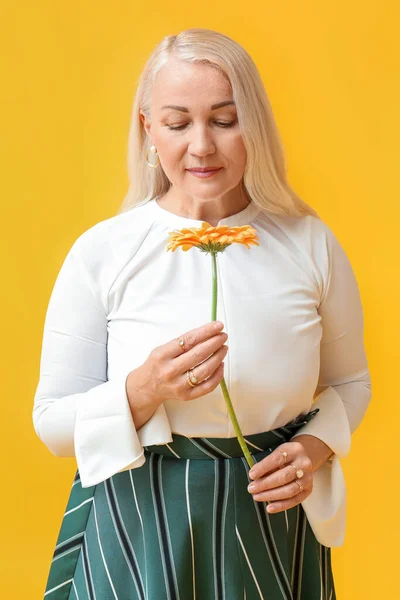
(243,217)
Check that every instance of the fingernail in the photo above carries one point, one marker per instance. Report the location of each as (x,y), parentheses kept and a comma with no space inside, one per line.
(252,473)
(218,325)
(251,487)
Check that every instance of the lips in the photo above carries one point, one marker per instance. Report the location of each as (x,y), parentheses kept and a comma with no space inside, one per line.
(205,169)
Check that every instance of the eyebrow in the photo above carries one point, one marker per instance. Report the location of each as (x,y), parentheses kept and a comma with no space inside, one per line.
(213,107)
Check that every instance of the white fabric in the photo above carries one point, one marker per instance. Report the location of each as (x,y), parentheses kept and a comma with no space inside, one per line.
(292,311)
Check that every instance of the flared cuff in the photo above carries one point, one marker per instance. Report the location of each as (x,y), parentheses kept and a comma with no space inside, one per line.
(157,430)
(325,507)
(331,424)
(105,438)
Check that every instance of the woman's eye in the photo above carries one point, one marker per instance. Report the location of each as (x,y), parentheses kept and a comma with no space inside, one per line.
(219,123)
(176,128)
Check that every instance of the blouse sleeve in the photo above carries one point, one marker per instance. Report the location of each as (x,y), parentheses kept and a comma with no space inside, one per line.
(76,411)
(343,392)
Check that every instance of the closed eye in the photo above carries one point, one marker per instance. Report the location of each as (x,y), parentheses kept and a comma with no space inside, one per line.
(219,123)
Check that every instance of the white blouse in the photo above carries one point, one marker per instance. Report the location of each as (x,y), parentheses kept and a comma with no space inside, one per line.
(292,311)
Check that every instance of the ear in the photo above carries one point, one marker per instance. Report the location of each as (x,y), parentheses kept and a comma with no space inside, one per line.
(146,123)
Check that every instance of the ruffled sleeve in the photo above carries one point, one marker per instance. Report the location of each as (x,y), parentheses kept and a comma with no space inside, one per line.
(343,392)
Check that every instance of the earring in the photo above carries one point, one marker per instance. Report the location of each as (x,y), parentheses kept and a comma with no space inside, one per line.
(154,150)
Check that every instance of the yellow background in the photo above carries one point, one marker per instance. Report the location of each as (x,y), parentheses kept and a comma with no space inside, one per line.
(68,78)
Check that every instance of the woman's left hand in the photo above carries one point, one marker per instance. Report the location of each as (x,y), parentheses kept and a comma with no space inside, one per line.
(274,481)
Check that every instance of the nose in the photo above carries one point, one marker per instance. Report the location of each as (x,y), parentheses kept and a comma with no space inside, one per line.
(201,141)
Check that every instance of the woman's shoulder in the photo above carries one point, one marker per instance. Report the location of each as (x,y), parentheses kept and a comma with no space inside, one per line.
(312,243)
(308,233)
(114,236)
(103,249)
(115,229)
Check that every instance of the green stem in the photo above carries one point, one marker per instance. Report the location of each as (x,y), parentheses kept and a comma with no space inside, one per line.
(214,287)
(232,415)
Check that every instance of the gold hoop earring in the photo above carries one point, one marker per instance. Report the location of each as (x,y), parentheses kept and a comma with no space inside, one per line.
(154,150)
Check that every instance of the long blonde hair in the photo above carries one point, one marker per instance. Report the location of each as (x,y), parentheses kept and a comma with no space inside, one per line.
(265,178)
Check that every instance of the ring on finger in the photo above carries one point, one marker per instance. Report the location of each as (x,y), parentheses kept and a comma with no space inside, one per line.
(299,484)
(299,472)
(192,379)
(284,454)
(182,343)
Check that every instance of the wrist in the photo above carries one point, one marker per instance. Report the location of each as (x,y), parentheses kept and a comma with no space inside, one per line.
(141,403)
(316,449)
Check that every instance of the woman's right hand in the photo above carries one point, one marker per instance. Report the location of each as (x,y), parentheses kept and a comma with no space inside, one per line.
(163,375)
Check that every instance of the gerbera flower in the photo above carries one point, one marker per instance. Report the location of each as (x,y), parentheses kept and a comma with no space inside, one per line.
(213,240)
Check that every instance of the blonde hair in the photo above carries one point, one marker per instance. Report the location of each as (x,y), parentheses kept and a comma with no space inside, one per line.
(265,178)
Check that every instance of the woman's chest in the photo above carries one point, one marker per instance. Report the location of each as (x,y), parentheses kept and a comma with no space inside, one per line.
(267,303)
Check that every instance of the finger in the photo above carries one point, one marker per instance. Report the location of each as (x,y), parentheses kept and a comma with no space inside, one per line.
(280,477)
(272,462)
(208,366)
(198,354)
(282,492)
(282,505)
(191,338)
(206,386)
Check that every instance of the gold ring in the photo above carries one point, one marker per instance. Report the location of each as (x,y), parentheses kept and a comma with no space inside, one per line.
(299,484)
(193,377)
(189,379)
(284,454)
(299,472)
(182,344)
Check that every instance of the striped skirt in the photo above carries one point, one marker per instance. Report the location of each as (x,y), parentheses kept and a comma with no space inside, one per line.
(184,527)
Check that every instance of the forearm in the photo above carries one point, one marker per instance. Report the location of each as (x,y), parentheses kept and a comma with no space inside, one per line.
(141,404)
(317,450)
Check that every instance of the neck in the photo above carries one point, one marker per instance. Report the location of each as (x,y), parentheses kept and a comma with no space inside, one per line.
(211,211)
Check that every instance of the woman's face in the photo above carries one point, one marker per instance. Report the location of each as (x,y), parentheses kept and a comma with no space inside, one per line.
(196,135)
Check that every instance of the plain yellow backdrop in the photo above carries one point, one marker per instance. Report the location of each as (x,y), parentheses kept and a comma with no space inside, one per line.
(68,77)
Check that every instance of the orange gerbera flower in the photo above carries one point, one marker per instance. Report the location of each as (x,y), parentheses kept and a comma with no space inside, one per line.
(212,239)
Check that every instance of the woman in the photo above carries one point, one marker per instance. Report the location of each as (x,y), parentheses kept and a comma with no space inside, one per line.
(160,506)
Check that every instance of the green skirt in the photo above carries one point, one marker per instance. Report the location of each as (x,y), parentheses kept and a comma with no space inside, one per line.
(184,527)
